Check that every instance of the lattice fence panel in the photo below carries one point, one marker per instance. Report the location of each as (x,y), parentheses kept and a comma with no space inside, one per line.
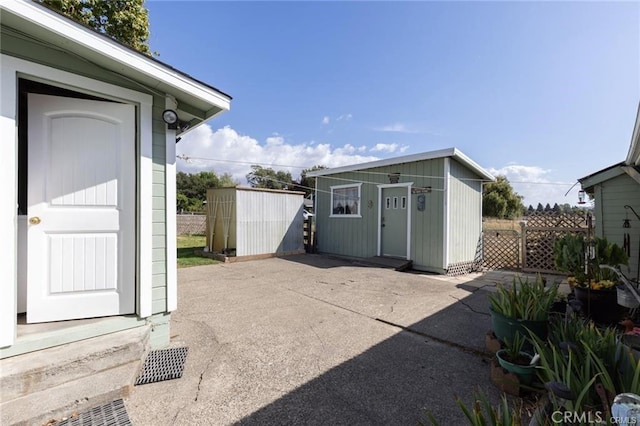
(555,220)
(501,249)
(538,247)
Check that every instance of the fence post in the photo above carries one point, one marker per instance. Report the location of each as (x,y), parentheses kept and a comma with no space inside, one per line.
(523,244)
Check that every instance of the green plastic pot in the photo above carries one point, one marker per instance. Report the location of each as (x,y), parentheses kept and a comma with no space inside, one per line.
(525,373)
(505,328)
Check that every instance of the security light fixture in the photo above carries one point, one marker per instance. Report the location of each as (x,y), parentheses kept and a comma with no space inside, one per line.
(171,118)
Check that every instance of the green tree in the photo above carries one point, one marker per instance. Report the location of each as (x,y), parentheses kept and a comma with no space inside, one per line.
(556,208)
(192,188)
(499,200)
(126,21)
(307,184)
(266,177)
(547,208)
(540,208)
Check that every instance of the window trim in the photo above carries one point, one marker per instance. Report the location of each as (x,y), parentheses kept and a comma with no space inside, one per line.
(349,185)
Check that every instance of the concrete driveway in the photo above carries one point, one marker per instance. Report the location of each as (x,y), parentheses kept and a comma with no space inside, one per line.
(312,340)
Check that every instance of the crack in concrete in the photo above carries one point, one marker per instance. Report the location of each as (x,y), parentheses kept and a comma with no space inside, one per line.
(206,368)
(173,421)
(463,303)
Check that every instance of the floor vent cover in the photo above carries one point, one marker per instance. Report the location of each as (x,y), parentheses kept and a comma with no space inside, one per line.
(112,414)
(162,364)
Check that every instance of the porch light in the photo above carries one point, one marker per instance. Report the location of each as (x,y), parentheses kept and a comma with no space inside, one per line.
(581,195)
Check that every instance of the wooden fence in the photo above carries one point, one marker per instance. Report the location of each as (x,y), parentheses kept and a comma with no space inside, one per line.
(191,224)
(530,249)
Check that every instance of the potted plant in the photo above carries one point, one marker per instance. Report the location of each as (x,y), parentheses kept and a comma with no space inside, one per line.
(523,306)
(586,359)
(515,360)
(593,285)
(569,257)
(598,294)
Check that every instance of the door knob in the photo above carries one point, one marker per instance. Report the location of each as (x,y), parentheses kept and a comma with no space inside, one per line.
(34,220)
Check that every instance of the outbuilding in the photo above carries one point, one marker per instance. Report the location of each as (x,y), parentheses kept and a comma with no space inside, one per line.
(88,130)
(251,223)
(424,207)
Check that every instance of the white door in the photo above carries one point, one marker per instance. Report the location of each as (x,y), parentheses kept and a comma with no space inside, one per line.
(81,208)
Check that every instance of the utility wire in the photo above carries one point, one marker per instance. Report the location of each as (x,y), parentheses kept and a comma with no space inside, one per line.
(187,158)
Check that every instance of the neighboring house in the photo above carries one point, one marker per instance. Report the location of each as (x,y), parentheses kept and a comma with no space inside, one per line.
(425,207)
(613,188)
(87,222)
(255,223)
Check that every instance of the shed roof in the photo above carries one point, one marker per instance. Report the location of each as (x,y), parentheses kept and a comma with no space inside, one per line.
(32,20)
(431,155)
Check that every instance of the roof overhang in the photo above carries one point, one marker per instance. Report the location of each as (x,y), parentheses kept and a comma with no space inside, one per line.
(608,173)
(431,155)
(633,157)
(201,101)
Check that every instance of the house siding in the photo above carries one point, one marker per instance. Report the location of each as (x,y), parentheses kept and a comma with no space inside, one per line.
(610,215)
(465,227)
(52,56)
(358,237)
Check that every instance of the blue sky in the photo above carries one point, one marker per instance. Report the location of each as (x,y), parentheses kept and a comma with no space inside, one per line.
(543,92)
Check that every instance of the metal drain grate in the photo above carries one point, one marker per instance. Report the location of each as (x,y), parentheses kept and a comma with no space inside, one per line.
(112,414)
(163,364)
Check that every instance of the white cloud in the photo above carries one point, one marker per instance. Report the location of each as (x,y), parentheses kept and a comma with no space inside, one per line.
(325,119)
(237,152)
(345,117)
(389,147)
(396,127)
(535,185)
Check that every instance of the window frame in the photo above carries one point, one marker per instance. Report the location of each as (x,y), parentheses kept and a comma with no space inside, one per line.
(359,200)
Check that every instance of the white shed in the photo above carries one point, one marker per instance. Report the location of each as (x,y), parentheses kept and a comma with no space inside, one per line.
(254,222)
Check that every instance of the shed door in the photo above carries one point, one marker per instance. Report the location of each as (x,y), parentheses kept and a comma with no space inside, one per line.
(81,208)
(393,218)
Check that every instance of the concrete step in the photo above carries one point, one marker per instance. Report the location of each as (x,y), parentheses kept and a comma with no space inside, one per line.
(62,401)
(63,378)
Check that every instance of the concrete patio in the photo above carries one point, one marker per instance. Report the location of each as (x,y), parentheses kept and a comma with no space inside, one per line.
(309,339)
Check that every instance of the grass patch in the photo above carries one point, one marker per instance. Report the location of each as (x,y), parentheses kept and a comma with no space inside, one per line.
(186,256)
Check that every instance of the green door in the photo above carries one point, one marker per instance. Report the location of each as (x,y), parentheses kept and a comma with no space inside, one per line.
(393,222)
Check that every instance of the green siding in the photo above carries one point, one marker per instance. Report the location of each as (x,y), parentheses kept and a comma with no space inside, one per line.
(358,237)
(610,215)
(40,53)
(465,200)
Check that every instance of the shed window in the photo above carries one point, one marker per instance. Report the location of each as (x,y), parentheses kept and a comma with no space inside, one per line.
(388,203)
(403,202)
(395,202)
(345,200)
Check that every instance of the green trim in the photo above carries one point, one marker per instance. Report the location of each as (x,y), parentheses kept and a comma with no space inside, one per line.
(69,332)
